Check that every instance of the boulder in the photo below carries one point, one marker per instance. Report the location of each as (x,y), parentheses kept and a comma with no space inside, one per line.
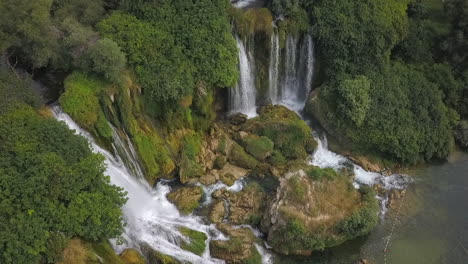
(238,119)
(186,198)
(231,173)
(217,211)
(245,207)
(239,249)
(315,209)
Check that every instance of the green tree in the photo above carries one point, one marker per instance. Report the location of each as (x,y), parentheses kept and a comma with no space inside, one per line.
(106,58)
(51,183)
(356,36)
(26,30)
(355,98)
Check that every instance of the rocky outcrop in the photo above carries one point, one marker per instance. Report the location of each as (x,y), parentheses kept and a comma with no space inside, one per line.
(245,207)
(132,256)
(186,198)
(240,247)
(314,209)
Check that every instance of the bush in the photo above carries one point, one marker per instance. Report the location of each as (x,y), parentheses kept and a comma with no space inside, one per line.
(63,188)
(317,174)
(277,159)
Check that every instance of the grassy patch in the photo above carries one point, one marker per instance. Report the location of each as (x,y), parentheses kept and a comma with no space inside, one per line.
(197,241)
(316,174)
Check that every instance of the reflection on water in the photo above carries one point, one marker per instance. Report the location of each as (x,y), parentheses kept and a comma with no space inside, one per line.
(431,227)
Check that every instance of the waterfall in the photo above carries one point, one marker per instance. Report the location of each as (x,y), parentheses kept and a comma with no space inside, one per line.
(308,54)
(151,219)
(291,85)
(274,68)
(324,158)
(242,97)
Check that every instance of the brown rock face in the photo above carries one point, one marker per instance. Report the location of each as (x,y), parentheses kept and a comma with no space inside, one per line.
(245,207)
(186,199)
(217,212)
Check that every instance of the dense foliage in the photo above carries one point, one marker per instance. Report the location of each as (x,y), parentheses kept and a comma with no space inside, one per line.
(399,92)
(63,188)
(51,185)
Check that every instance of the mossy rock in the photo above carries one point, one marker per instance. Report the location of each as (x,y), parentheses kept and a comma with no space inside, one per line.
(336,211)
(228,179)
(156,257)
(220,161)
(238,156)
(132,256)
(259,147)
(196,243)
(240,248)
(291,136)
(186,199)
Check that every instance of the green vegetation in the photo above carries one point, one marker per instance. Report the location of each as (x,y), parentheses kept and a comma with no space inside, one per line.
(291,136)
(81,102)
(239,157)
(197,241)
(395,94)
(364,220)
(318,174)
(251,21)
(259,147)
(52,184)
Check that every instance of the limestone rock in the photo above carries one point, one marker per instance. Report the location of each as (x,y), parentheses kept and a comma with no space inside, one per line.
(238,249)
(217,212)
(186,198)
(230,173)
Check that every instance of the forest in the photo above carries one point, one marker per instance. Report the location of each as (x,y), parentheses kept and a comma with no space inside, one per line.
(392,82)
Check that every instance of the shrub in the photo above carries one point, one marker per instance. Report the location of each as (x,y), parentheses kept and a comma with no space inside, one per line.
(317,174)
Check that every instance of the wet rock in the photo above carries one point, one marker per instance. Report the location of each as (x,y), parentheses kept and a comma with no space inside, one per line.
(186,198)
(156,257)
(230,173)
(238,119)
(132,256)
(238,249)
(246,206)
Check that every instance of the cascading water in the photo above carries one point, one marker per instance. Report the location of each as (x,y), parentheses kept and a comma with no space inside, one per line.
(242,97)
(324,158)
(151,219)
(273,70)
(290,75)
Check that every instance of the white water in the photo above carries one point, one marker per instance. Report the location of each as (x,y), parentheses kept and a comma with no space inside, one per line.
(324,158)
(151,219)
(296,75)
(273,70)
(243,3)
(242,97)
